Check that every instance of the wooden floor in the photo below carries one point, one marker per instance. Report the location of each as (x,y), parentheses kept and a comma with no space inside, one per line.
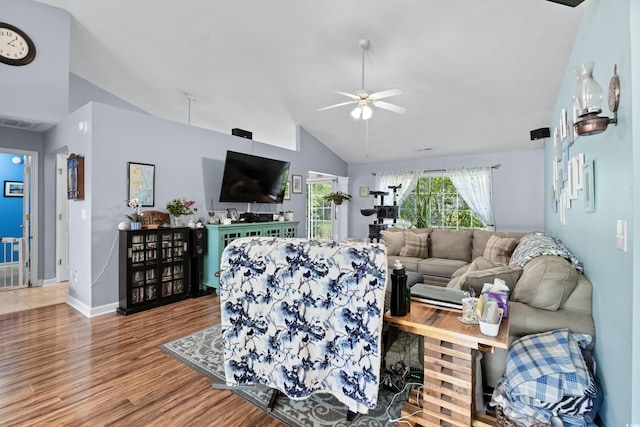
(58,367)
(12,300)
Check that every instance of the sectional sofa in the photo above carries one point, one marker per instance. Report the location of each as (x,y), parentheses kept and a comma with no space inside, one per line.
(547,288)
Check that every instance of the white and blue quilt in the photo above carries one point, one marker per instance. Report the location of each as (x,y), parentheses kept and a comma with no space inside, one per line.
(304,316)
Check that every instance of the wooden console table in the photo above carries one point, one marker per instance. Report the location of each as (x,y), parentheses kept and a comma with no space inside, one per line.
(449,366)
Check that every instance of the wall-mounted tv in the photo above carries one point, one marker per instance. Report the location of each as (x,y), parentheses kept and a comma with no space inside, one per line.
(249,178)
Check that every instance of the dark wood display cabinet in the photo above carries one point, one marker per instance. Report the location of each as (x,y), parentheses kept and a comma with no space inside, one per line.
(154,268)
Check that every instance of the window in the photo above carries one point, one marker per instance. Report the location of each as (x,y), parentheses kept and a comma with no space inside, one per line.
(319,210)
(434,202)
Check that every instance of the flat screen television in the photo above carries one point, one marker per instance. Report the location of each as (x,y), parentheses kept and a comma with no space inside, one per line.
(249,178)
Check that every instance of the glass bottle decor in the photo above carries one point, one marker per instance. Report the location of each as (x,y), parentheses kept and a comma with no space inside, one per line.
(587,96)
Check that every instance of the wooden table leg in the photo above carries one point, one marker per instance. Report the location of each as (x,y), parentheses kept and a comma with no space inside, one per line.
(449,379)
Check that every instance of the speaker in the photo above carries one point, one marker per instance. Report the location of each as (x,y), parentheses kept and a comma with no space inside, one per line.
(198,241)
(540,133)
(242,133)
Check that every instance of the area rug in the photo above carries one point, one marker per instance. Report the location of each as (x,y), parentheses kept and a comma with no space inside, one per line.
(202,351)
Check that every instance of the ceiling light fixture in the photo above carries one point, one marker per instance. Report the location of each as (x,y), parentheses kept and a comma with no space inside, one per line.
(587,98)
(364,98)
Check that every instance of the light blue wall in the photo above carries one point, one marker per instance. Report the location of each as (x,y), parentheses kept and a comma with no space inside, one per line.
(518,190)
(604,38)
(188,163)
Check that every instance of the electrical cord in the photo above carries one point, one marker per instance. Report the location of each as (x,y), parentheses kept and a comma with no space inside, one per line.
(104,268)
(402,392)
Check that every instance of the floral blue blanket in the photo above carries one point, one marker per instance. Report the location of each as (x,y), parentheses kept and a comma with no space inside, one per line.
(304,316)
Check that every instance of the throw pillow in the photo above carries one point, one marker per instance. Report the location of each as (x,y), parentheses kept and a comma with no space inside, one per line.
(415,245)
(546,282)
(393,240)
(499,249)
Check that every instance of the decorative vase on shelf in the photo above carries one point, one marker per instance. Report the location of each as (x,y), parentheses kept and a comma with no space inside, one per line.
(135,226)
(177,221)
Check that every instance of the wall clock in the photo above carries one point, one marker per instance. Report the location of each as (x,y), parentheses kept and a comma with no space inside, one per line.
(16,47)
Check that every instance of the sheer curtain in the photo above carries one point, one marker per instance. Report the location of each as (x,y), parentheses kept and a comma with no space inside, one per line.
(474,186)
(407,179)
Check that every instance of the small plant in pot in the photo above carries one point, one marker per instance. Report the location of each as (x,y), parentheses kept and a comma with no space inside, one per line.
(338,197)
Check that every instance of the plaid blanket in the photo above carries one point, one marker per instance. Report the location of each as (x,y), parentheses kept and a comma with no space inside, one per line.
(546,369)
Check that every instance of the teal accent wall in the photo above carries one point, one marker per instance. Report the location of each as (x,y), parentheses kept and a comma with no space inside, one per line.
(604,37)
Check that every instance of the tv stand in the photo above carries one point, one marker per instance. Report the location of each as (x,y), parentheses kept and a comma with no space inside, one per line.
(220,235)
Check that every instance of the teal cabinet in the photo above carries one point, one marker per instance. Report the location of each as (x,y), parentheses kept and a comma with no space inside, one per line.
(219,236)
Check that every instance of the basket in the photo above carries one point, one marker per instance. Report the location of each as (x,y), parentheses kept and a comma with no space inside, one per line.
(502,421)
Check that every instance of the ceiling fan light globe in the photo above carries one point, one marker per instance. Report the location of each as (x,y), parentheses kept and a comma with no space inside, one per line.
(356,113)
(366,112)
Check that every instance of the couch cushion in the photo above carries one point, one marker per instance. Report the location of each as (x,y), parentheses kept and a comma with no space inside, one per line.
(546,282)
(451,244)
(409,263)
(393,241)
(499,249)
(439,267)
(415,244)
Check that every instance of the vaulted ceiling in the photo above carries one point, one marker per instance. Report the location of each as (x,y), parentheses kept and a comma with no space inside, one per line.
(477,75)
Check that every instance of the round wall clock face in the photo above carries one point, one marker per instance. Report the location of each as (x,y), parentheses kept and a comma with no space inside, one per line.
(16,47)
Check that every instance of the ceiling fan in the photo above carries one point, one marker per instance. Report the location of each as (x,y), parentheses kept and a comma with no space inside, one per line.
(364,98)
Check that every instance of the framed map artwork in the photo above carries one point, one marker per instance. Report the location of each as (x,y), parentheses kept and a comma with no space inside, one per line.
(141,183)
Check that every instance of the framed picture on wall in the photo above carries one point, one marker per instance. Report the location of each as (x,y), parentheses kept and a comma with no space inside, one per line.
(296,184)
(141,183)
(589,187)
(13,188)
(287,191)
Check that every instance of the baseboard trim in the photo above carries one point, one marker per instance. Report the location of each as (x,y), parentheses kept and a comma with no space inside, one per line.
(91,311)
(49,282)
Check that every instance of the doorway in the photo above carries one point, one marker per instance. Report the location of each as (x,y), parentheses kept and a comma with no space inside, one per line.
(325,220)
(19,260)
(320,213)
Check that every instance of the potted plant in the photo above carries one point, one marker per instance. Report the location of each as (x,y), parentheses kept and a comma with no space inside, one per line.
(338,197)
(179,207)
(136,216)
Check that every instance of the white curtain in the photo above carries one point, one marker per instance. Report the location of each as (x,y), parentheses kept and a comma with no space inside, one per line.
(407,179)
(474,186)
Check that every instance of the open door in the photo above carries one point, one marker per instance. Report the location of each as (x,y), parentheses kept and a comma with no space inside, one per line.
(62,220)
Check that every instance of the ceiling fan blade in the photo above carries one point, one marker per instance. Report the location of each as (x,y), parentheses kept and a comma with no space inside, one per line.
(350,95)
(336,105)
(386,93)
(390,107)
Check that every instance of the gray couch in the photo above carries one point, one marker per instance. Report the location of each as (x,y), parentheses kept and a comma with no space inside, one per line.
(547,293)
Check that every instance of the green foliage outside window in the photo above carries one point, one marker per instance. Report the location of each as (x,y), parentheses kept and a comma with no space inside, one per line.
(435,203)
(320,212)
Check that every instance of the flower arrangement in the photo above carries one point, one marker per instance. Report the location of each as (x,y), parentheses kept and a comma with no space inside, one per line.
(179,207)
(338,197)
(137,215)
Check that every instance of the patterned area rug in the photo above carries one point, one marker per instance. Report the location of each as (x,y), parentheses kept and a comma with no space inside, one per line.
(202,351)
